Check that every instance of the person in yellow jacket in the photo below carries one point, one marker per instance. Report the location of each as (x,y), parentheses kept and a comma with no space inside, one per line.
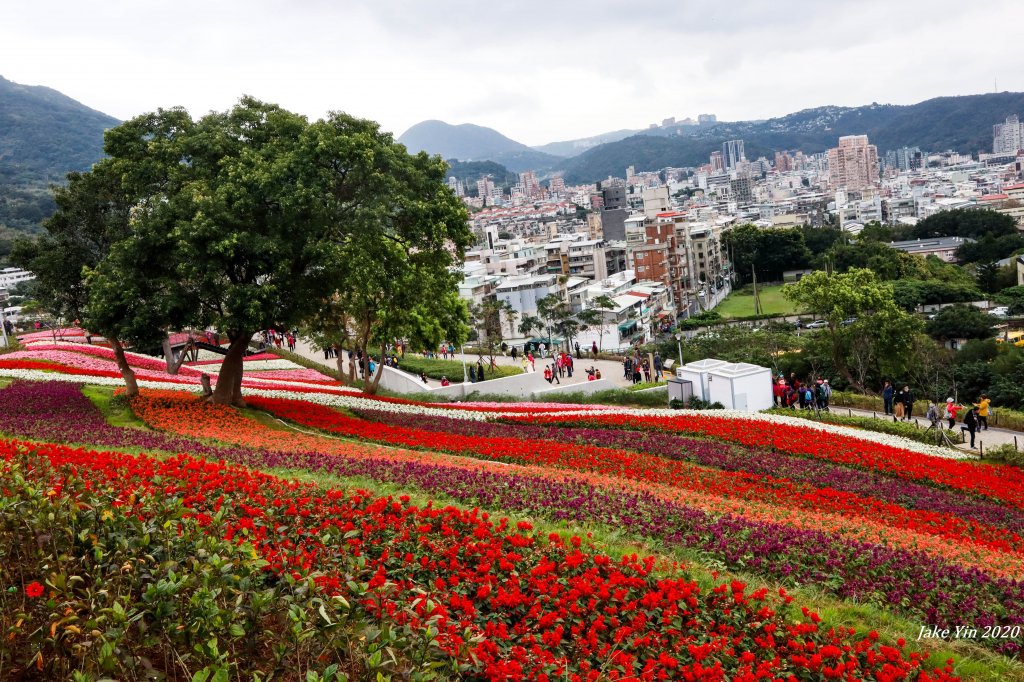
(982,406)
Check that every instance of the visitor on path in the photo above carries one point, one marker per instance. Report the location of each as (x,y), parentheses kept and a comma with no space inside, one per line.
(627,367)
(908,403)
(887,395)
(514,353)
(932,415)
(779,392)
(472,374)
(547,374)
(808,397)
(423,378)
(658,367)
(526,365)
(950,414)
(479,370)
(983,406)
(569,364)
(554,373)
(647,370)
(445,382)
(533,366)
(636,373)
(543,350)
(577,349)
(827,388)
(971,423)
(591,374)
(593,349)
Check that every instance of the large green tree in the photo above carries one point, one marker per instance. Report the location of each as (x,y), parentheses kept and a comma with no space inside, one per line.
(880,332)
(960,322)
(973,223)
(93,215)
(401,236)
(254,218)
(769,252)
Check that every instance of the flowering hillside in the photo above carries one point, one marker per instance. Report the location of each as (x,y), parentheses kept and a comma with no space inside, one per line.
(742,527)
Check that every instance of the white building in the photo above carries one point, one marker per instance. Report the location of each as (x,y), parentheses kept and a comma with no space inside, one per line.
(11,277)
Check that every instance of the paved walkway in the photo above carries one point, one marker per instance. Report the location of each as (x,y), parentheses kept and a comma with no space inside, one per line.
(610,369)
(989,438)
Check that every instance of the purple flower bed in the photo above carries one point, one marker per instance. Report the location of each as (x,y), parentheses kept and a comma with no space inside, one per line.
(59,412)
(819,473)
(913,583)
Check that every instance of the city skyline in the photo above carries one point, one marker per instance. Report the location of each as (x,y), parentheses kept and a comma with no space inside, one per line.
(511,68)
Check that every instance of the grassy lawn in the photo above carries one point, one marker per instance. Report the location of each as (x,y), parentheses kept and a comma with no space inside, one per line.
(740,303)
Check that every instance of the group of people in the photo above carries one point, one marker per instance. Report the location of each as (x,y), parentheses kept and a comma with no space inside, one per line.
(804,395)
(637,368)
(898,404)
(269,337)
(562,366)
(975,419)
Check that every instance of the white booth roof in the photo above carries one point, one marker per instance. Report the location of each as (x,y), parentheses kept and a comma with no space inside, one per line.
(703,365)
(734,371)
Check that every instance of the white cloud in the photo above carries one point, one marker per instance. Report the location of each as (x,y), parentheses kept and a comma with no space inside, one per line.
(536,71)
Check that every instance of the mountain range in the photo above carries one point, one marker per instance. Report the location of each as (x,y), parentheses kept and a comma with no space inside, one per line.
(962,124)
(45,134)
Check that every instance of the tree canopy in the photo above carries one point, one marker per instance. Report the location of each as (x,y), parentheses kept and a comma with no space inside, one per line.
(769,252)
(964,222)
(960,322)
(255,218)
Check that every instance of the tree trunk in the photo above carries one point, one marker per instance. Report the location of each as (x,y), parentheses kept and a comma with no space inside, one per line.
(341,365)
(131,386)
(229,381)
(376,379)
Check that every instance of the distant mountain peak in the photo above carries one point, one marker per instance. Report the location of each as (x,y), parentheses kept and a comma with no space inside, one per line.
(469,142)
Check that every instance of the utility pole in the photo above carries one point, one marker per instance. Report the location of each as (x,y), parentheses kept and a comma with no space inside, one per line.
(757,300)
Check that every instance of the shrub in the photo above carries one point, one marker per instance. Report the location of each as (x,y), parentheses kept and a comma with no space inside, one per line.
(100,590)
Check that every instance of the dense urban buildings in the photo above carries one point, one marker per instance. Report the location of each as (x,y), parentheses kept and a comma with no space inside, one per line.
(652,240)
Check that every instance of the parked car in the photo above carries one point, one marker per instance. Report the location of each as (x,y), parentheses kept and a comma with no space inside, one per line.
(817,324)
(1001,311)
(848,321)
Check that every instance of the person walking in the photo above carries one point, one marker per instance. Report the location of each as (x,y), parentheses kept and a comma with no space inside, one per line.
(908,403)
(971,423)
(577,345)
(658,367)
(554,373)
(983,405)
(887,395)
(479,370)
(514,353)
(472,374)
(950,412)
(627,368)
(533,367)
(827,390)
(593,349)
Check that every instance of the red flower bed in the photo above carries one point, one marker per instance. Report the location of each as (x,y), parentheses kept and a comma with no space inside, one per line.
(649,468)
(508,603)
(1004,483)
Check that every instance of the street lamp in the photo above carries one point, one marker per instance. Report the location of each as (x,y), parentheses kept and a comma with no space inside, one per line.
(679,343)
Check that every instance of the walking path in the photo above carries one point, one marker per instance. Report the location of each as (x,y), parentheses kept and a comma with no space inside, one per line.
(988,438)
(610,369)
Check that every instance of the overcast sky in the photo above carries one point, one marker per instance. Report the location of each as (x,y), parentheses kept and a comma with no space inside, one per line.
(536,71)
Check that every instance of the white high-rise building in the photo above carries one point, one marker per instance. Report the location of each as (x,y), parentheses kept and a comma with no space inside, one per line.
(1007,136)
